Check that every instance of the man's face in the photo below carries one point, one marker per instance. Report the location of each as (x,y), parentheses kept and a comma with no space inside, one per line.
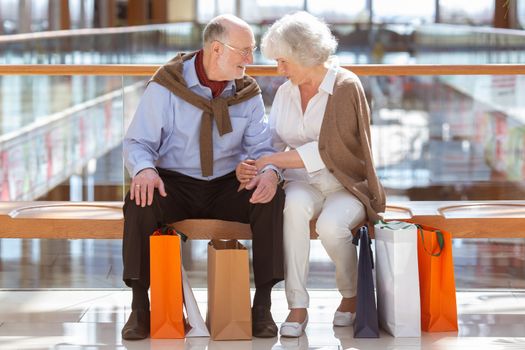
(237,53)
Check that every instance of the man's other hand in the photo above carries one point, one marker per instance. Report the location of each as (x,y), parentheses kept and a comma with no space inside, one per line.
(265,186)
(245,172)
(143,186)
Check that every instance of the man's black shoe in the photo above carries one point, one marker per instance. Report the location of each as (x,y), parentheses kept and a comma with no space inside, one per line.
(263,325)
(137,326)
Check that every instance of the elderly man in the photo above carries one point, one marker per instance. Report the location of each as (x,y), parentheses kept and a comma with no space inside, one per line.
(200,117)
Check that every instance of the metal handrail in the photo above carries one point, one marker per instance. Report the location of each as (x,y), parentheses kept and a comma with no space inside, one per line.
(75,33)
(267,70)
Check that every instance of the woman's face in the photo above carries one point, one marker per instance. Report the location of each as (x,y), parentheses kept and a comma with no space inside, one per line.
(292,70)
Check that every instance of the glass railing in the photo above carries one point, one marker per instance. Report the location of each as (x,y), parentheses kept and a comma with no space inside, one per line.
(439,132)
(452,137)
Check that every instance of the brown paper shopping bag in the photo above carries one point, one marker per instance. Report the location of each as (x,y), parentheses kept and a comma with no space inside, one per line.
(229,312)
(166,287)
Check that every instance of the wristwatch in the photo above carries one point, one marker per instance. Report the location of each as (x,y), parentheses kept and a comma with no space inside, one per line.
(280,177)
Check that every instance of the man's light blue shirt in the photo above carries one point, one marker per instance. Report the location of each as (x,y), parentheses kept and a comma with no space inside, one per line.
(165,131)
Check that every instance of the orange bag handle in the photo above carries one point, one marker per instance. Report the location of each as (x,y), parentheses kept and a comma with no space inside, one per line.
(440,239)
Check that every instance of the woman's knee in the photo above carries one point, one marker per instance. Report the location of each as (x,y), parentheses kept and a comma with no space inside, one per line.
(330,227)
(297,203)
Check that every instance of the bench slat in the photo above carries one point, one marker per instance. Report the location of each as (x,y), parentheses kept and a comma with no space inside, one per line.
(103,220)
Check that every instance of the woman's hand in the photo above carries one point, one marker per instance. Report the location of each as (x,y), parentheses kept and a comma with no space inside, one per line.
(261,163)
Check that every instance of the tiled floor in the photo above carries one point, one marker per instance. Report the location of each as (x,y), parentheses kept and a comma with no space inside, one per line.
(69,295)
(74,319)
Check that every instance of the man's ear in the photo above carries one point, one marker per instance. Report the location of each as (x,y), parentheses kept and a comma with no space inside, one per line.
(216,47)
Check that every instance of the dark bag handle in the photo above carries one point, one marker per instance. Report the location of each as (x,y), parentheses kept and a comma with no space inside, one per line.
(167,230)
(363,230)
(440,239)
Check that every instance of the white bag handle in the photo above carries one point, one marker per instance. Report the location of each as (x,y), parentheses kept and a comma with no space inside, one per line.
(197,327)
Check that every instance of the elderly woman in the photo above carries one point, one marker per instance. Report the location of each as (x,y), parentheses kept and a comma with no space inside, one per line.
(320,120)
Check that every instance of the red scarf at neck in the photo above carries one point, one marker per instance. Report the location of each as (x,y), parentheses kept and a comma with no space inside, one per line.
(216,86)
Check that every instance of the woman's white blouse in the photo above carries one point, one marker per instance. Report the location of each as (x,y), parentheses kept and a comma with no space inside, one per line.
(291,129)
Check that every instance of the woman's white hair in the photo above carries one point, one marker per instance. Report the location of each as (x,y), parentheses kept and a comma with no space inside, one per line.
(300,37)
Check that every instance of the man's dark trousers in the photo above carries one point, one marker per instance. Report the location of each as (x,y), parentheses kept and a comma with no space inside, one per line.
(189,198)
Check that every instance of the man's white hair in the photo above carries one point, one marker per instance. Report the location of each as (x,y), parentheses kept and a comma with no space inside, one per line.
(300,37)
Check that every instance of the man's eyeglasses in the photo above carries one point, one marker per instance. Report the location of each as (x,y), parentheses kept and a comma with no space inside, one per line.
(243,52)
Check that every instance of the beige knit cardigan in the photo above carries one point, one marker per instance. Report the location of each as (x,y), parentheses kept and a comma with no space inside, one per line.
(345,145)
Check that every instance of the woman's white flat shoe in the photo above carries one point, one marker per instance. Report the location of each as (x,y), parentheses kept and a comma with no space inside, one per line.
(344,319)
(293,329)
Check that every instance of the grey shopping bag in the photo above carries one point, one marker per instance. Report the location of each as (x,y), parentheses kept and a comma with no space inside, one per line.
(365,324)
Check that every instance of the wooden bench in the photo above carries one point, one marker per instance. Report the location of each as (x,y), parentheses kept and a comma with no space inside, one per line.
(103,220)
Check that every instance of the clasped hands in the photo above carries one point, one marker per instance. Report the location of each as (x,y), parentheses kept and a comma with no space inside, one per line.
(144,183)
(265,183)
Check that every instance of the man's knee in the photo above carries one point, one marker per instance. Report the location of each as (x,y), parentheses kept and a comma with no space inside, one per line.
(132,206)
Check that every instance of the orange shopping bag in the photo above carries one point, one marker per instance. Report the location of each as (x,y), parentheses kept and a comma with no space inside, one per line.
(166,285)
(436,280)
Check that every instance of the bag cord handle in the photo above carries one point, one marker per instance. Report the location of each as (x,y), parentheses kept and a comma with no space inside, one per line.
(168,230)
(385,225)
(355,241)
(440,239)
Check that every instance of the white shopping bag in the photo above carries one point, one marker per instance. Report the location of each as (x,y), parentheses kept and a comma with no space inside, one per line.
(397,278)
(196,327)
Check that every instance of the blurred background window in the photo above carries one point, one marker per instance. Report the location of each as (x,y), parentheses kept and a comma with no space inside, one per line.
(479,12)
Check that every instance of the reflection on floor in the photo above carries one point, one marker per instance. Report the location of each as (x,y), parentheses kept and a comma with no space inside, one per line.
(58,294)
(93,319)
